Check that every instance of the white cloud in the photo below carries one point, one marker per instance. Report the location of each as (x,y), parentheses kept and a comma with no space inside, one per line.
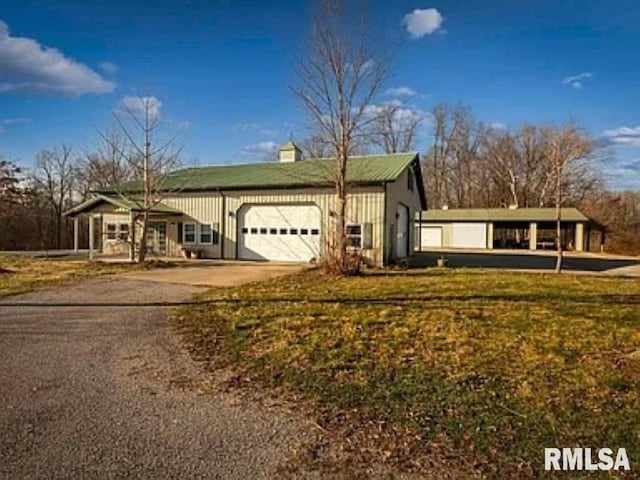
(498,126)
(422,22)
(109,68)
(261,129)
(139,106)
(260,148)
(401,92)
(5,122)
(30,67)
(623,136)
(576,81)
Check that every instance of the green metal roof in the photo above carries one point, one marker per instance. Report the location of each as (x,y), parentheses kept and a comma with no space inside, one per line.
(120,204)
(361,170)
(568,214)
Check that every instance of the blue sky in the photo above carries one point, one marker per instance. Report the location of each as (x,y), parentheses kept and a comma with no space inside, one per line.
(221,69)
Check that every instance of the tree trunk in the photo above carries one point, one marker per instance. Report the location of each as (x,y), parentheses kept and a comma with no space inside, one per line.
(559,220)
(142,250)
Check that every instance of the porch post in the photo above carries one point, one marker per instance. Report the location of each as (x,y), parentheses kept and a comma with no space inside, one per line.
(132,235)
(75,234)
(533,236)
(91,235)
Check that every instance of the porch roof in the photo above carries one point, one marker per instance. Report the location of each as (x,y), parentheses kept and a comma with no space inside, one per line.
(120,205)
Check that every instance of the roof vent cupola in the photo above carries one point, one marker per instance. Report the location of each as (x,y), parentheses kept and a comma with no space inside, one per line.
(289,152)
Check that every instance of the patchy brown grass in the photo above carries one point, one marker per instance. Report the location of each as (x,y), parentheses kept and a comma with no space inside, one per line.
(24,274)
(466,368)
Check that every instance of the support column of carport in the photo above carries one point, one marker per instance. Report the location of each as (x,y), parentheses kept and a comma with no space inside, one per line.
(91,236)
(76,234)
(533,236)
(579,240)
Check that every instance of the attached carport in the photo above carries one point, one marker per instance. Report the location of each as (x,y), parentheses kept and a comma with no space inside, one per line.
(507,229)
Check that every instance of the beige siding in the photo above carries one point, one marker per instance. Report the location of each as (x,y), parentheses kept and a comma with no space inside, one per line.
(364,205)
(398,193)
(198,207)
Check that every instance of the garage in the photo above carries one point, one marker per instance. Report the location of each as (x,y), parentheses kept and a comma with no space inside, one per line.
(285,233)
(431,237)
(469,235)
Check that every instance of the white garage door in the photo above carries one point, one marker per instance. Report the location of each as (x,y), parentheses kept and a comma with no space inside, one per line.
(469,235)
(287,233)
(431,237)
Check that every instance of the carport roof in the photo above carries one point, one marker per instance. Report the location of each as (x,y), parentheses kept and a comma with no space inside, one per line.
(568,214)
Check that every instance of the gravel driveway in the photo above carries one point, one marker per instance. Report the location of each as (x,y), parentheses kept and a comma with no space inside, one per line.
(105,391)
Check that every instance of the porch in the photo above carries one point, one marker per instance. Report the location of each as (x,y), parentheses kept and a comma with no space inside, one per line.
(115,227)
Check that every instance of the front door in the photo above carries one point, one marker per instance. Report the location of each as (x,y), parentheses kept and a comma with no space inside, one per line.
(157,238)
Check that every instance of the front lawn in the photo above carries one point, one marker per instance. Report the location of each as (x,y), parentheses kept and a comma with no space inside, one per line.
(486,367)
(24,274)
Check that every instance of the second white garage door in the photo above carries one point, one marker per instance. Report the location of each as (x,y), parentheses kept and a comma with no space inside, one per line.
(286,233)
(469,235)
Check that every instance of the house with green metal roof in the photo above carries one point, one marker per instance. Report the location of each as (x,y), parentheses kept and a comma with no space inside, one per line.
(272,211)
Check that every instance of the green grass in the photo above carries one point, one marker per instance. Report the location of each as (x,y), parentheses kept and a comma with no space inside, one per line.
(25,274)
(496,366)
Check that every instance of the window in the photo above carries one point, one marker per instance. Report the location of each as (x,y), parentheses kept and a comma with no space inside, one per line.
(283,231)
(206,234)
(189,233)
(123,232)
(245,230)
(410,180)
(294,231)
(353,232)
(304,231)
(263,231)
(315,231)
(273,231)
(112,231)
(254,230)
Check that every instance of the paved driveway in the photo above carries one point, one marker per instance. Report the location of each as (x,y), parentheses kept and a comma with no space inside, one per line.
(106,392)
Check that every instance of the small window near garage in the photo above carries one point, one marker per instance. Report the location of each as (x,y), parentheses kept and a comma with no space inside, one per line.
(189,233)
(304,231)
(353,233)
(206,234)
(112,231)
(254,231)
(263,231)
(283,231)
(315,231)
(273,231)
(294,231)
(245,230)
(123,232)
(410,180)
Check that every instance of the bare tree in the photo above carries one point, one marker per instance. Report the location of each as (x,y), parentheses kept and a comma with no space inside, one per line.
(105,166)
(395,128)
(566,147)
(339,76)
(54,176)
(142,151)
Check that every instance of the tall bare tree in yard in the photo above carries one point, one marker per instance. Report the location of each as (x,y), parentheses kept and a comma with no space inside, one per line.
(395,128)
(54,177)
(146,154)
(339,75)
(104,166)
(566,148)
